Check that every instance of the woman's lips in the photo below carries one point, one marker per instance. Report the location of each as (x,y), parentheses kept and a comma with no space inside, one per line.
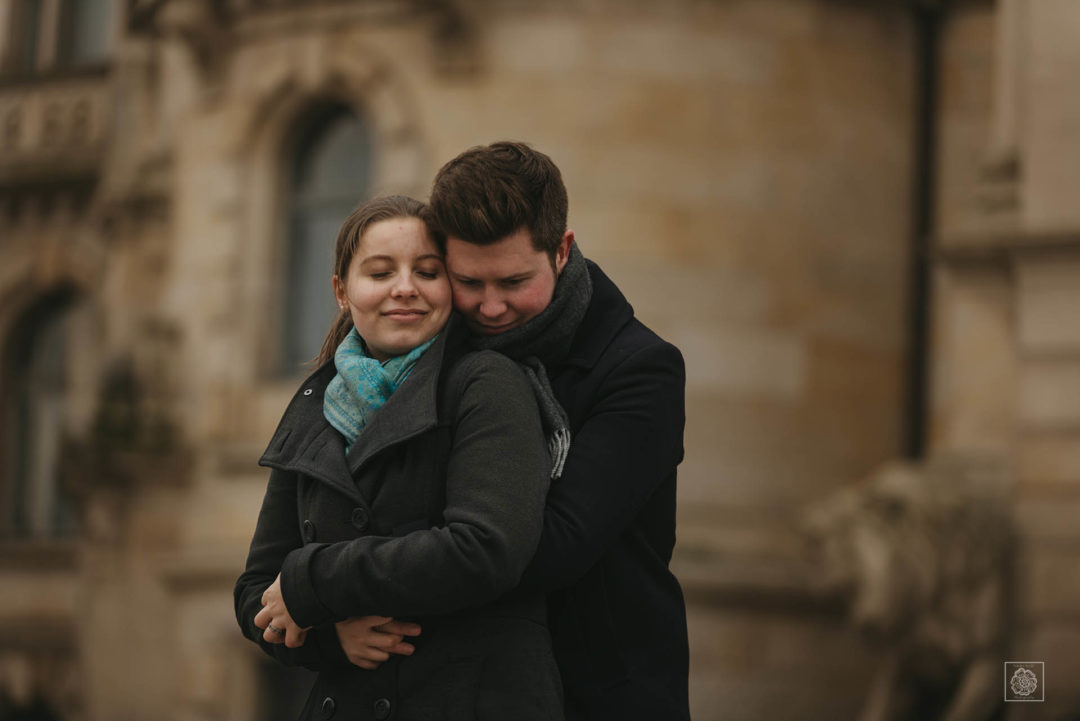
(405,316)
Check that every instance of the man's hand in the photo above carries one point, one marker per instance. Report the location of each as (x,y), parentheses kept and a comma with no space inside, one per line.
(368,641)
(278,626)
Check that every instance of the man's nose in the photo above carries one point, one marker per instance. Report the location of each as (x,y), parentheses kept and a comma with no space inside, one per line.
(492,305)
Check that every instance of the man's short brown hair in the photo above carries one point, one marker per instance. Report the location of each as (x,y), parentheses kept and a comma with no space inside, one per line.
(491,191)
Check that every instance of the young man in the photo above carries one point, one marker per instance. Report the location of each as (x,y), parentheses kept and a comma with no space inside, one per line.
(610,389)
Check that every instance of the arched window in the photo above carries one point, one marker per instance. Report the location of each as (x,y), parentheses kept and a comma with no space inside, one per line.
(330,174)
(85,31)
(59,34)
(22,40)
(36,382)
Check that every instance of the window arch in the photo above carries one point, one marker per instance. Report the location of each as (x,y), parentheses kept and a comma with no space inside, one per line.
(22,40)
(85,34)
(329,174)
(37,375)
(61,34)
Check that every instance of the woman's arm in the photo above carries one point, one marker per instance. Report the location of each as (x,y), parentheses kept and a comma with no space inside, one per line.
(496,481)
(367,641)
(276,534)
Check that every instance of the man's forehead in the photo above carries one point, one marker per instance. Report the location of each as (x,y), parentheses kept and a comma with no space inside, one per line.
(500,259)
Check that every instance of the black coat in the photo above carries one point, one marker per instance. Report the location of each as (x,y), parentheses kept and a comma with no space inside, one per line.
(432,516)
(617,613)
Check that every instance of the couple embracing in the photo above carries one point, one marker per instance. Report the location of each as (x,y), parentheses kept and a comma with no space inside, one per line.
(471,504)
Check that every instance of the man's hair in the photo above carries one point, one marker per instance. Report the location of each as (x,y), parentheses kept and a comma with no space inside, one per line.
(491,191)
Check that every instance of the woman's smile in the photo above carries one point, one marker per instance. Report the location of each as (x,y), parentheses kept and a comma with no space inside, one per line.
(396,262)
(405,315)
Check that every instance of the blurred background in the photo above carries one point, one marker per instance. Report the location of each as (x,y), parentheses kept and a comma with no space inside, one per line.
(858,219)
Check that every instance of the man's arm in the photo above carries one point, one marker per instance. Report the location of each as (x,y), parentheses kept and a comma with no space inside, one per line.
(630,442)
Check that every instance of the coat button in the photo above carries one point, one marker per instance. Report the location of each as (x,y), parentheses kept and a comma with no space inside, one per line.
(360,519)
(328,707)
(309,531)
(382,709)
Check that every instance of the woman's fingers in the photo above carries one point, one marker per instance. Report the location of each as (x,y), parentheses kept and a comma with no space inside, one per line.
(294,636)
(273,634)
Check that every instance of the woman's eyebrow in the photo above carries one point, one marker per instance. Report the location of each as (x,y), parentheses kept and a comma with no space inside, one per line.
(426,256)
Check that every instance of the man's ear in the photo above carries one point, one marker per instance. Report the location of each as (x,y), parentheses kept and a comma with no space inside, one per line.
(562,253)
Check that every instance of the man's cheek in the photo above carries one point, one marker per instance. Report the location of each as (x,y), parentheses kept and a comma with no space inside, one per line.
(459,296)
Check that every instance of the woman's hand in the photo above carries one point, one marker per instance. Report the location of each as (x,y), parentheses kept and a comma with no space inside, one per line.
(368,641)
(274,618)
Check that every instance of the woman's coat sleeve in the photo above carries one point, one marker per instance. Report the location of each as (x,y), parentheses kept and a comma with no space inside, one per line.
(496,482)
(276,534)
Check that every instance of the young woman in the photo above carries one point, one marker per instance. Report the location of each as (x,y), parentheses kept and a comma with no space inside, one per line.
(408,481)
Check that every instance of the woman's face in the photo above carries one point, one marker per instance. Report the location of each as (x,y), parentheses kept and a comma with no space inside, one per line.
(396,288)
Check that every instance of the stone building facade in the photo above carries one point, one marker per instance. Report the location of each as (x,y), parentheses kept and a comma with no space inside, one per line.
(745,170)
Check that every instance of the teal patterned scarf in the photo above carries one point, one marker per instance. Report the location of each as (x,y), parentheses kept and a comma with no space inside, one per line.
(362,385)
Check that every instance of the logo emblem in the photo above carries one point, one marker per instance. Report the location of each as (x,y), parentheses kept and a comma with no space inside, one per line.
(1024,681)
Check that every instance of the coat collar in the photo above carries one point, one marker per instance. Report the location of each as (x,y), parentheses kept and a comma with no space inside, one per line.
(305,441)
(608,313)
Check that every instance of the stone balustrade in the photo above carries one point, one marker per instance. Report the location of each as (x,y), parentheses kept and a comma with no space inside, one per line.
(57,128)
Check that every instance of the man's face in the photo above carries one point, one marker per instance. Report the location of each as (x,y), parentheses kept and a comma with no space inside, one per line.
(503,285)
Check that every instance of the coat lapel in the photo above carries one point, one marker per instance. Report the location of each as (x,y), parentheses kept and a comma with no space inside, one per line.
(305,442)
(410,411)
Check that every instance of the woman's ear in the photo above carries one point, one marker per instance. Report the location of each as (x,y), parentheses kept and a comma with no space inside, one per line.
(339,293)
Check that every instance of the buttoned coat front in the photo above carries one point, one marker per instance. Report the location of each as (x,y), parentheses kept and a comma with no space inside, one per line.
(432,516)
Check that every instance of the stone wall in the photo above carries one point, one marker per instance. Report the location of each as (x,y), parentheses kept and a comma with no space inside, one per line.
(742,169)
(1007,358)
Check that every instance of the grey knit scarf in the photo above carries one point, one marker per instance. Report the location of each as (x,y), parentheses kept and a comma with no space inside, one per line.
(544,342)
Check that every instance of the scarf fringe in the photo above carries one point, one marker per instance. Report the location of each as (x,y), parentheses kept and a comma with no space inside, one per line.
(546,340)
(559,446)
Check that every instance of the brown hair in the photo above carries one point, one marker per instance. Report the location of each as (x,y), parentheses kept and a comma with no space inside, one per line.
(489,192)
(348,240)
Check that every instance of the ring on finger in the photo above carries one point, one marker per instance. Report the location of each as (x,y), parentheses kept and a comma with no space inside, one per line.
(273,629)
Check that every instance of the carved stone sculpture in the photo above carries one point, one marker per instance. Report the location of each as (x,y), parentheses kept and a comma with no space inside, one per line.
(921,554)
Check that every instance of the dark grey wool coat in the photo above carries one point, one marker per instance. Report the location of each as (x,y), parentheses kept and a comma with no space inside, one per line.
(432,517)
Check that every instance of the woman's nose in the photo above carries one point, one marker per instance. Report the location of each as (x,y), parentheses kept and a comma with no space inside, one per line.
(403,287)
